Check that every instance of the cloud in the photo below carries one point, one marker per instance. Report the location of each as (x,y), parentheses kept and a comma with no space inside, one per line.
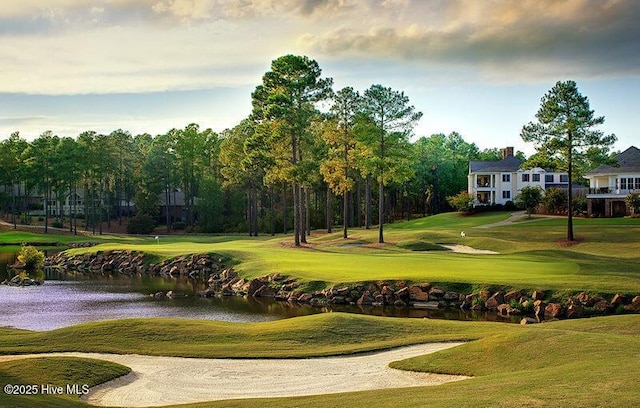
(535,37)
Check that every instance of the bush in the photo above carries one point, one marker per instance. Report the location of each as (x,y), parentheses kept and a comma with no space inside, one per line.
(555,200)
(463,201)
(580,205)
(509,206)
(141,224)
(633,201)
(30,258)
(57,224)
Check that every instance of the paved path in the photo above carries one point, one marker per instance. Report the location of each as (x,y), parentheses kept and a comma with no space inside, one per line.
(514,219)
(156,381)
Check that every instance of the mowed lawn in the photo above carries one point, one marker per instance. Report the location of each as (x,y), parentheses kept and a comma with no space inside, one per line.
(578,363)
(531,254)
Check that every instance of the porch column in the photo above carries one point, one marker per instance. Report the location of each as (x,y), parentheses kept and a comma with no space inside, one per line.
(589,207)
(607,208)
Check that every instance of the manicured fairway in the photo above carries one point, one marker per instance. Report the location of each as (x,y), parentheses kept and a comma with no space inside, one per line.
(532,256)
(586,362)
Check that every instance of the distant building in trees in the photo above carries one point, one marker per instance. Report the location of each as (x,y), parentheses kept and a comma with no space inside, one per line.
(497,182)
(610,185)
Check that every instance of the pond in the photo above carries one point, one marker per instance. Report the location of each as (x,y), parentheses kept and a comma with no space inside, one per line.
(67,299)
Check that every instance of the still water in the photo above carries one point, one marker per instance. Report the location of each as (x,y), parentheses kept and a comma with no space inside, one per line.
(66,300)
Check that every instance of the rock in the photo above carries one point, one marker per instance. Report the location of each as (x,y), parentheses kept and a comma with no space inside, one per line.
(436,293)
(513,295)
(264,291)
(431,305)
(634,306)
(602,306)
(170,294)
(254,285)
(399,303)
(574,311)
(337,300)
(586,299)
(159,295)
(528,320)
(403,293)
(617,299)
(554,310)
(415,293)
(451,296)
(365,299)
(537,295)
(304,298)
(484,294)
(493,302)
(506,310)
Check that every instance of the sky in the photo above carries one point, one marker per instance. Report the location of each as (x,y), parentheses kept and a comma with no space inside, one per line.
(475,67)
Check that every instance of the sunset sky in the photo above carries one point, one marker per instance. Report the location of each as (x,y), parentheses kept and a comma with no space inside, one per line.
(475,67)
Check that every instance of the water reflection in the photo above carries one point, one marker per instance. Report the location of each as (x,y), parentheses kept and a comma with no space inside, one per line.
(69,299)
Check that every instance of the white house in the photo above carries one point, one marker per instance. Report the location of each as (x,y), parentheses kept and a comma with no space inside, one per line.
(496,182)
(610,185)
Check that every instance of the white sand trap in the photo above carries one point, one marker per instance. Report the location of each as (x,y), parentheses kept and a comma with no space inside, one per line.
(463,249)
(156,381)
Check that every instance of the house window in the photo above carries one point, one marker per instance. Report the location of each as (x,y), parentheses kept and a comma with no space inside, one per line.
(536,178)
(506,178)
(623,183)
(630,183)
(506,194)
(548,178)
(637,186)
(525,178)
(564,178)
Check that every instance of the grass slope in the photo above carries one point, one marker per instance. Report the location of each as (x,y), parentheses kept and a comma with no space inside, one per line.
(531,254)
(58,372)
(586,363)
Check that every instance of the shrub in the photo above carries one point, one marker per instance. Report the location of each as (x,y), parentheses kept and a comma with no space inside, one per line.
(30,258)
(141,224)
(57,224)
(509,206)
(463,201)
(633,201)
(555,200)
(529,197)
(580,205)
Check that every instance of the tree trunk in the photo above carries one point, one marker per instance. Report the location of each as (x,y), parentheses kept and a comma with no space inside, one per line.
(302,208)
(329,210)
(272,214)
(307,215)
(345,211)
(381,211)
(367,204)
(358,202)
(284,209)
(570,236)
(296,215)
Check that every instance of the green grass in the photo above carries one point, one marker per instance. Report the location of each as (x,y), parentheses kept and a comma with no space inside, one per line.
(585,363)
(58,372)
(532,255)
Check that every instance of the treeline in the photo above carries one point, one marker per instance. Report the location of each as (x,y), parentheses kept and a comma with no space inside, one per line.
(289,166)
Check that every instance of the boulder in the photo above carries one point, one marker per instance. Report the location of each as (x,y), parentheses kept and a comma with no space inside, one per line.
(451,296)
(528,320)
(493,302)
(264,291)
(415,293)
(436,293)
(537,295)
(431,305)
(365,299)
(602,306)
(574,311)
(617,299)
(505,309)
(554,310)
(513,295)
(634,306)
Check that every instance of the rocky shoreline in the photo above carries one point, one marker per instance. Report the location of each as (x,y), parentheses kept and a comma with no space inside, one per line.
(222,280)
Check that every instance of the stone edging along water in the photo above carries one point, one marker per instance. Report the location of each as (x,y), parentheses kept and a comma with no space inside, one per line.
(533,306)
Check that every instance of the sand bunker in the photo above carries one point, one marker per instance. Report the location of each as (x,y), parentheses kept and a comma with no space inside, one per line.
(158,381)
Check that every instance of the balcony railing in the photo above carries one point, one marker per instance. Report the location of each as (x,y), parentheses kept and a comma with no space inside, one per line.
(609,190)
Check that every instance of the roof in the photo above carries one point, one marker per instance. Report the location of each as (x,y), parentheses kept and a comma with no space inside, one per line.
(510,164)
(629,161)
